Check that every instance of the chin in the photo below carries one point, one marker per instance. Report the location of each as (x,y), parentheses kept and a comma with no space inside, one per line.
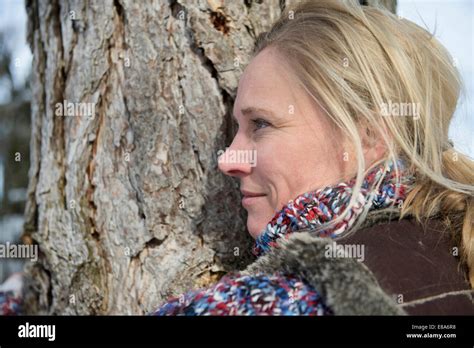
(254,230)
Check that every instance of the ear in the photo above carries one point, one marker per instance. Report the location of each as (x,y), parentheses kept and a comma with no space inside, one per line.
(373,144)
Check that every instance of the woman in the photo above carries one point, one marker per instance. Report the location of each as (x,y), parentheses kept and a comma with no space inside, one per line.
(348,109)
(358,202)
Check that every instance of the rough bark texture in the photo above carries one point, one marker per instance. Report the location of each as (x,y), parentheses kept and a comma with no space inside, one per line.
(128,207)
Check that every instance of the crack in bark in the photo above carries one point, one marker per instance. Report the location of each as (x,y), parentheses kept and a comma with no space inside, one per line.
(133,182)
(220,22)
(250,31)
(103,86)
(176,8)
(59,84)
(209,65)
(73,45)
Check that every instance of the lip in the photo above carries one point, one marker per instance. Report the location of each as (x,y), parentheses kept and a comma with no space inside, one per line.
(246,193)
(250,198)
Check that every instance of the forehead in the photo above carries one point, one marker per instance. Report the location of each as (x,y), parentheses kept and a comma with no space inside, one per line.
(266,83)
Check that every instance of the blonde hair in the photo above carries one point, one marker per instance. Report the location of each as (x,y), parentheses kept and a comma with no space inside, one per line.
(353,60)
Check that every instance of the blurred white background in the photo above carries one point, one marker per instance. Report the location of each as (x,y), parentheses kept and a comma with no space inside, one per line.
(454,24)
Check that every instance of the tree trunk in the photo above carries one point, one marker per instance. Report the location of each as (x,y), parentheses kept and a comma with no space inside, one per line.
(131,101)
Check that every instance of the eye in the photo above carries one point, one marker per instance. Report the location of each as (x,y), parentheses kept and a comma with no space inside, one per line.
(260,123)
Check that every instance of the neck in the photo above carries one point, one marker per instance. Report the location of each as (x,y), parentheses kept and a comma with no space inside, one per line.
(329,210)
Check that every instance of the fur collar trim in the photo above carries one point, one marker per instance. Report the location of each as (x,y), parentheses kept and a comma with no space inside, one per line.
(347,286)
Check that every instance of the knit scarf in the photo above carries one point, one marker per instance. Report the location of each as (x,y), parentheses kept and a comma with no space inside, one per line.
(312,209)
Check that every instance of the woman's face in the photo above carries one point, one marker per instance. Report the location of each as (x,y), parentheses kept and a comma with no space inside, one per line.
(296,149)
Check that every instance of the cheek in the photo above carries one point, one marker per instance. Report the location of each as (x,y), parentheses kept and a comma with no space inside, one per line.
(278,172)
(290,169)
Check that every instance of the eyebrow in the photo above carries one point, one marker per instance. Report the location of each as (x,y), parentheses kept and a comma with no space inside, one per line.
(254,110)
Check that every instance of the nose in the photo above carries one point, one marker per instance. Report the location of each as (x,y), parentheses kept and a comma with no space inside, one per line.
(236,161)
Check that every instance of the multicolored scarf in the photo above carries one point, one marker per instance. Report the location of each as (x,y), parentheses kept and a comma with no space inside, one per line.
(313,209)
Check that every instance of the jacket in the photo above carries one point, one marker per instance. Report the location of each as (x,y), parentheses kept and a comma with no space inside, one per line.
(406,268)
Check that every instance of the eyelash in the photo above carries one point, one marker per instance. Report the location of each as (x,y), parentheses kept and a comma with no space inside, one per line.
(259,121)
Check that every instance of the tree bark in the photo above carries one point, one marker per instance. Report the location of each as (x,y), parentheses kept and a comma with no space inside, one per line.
(128,206)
